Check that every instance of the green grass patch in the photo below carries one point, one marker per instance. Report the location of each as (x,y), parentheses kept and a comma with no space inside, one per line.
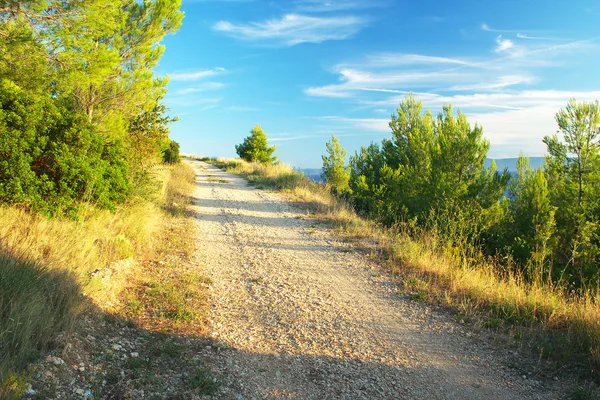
(205,382)
(168,348)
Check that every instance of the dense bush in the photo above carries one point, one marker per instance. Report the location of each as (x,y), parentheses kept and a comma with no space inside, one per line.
(431,172)
(80,108)
(51,158)
(170,155)
(430,175)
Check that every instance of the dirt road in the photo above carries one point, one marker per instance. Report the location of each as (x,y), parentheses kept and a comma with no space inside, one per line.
(297,314)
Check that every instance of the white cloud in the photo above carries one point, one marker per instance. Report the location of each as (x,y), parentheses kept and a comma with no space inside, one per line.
(503,44)
(510,132)
(507,92)
(243,109)
(382,81)
(188,100)
(366,124)
(293,29)
(526,36)
(398,59)
(515,100)
(205,87)
(513,67)
(488,28)
(195,75)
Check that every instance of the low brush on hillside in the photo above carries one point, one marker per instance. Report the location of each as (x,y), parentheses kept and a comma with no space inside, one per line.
(48,265)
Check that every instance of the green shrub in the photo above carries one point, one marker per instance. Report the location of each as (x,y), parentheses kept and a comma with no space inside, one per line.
(52,158)
(171,154)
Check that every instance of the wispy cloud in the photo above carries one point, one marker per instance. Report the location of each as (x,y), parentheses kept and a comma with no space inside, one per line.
(196,75)
(398,59)
(189,100)
(205,87)
(336,5)
(324,135)
(366,124)
(499,83)
(243,109)
(496,89)
(512,65)
(293,29)
(526,36)
(488,28)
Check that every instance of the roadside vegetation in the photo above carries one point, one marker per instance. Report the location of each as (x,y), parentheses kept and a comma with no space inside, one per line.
(518,253)
(51,269)
(88,173)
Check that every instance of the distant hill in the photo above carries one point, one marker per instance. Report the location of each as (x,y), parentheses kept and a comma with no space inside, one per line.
(314,174)
(511,163)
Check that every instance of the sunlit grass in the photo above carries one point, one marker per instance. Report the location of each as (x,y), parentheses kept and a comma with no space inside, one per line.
(47,264)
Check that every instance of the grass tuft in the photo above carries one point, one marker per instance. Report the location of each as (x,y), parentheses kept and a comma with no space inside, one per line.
(205,382)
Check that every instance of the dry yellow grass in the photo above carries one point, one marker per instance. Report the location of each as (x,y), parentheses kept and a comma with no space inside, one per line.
(50,262)
(553,323)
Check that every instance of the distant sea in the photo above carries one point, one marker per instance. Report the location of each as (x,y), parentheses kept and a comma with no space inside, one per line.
(501,163)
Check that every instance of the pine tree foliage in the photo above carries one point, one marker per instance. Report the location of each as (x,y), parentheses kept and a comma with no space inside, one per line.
(430,174)
(573,169)
(80,106)
(531,222)
(335,173)
(429,164)
(255,148)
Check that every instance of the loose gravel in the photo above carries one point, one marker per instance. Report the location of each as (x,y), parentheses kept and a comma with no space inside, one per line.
(298,314)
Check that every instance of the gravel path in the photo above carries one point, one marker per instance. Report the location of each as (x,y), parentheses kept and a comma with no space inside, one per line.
(296,314)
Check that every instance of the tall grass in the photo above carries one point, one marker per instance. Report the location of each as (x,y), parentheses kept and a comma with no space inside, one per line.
(543,317)
(35,303)
(46,264)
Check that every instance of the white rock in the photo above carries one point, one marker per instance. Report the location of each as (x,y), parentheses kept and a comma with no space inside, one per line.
(30,391)
(135,354)
(55,360)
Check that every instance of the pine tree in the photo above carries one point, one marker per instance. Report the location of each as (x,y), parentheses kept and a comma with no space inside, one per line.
(532,222)
(335,174)
(573,169)
(255,148)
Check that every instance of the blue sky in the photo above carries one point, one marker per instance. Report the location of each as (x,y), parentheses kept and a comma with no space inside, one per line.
(304,69)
